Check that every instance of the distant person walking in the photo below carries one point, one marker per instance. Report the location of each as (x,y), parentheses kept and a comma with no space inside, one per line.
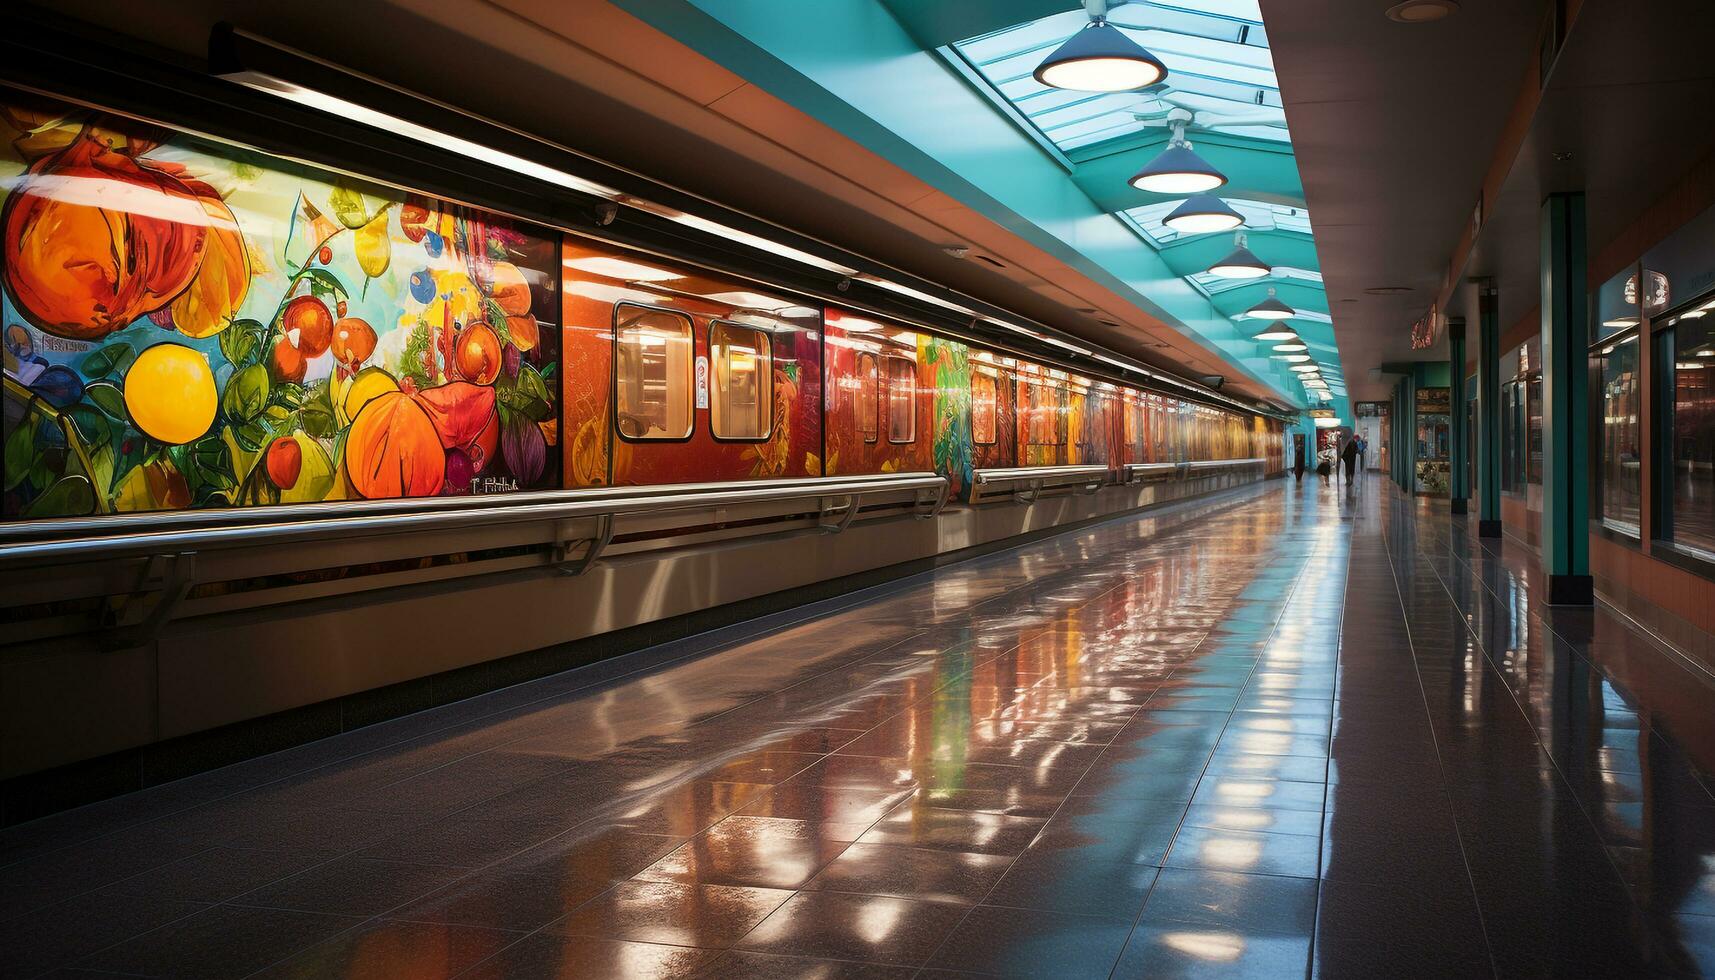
(1350,456)
(1364,453)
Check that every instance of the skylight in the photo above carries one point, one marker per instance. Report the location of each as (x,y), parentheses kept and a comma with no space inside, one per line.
(1216,52)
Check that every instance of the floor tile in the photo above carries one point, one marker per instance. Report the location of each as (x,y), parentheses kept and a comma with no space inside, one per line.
(866,928)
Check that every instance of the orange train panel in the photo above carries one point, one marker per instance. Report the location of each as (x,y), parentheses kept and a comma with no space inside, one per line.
(657,354)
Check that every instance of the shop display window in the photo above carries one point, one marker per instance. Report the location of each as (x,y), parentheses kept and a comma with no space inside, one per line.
(1620,495)
(1688,422)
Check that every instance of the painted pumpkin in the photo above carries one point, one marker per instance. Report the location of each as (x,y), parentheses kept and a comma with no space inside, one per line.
(393,450)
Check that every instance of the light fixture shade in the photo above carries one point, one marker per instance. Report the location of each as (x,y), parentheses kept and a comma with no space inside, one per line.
(1178,170)
(1279,331)
(1291,346)
(1294,358)
(1271,309)
(1202,213)
(1306,369)
(1315,383)
(1100,58)
(1241,263)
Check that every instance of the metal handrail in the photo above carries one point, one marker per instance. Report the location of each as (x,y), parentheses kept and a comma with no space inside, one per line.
(1075,472)
(605,504)
(70,527)
(1208,464)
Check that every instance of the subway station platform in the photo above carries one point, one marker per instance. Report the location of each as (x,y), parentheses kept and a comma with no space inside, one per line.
(1293,730)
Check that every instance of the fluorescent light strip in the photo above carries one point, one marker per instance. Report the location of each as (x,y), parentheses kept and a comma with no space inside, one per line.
(343,108)
(763,244)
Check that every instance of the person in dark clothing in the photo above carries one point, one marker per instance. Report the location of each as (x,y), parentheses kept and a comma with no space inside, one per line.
(1350,457)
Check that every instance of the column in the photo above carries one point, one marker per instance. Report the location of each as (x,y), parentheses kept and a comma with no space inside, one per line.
(1488,410)
(1408,419)
(1456,403)
(1565,402)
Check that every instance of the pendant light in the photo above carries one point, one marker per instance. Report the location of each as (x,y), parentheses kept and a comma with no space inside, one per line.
(1100,58)
(1315,383)
(1294,358)
(1306,369)
(1178,170)
(1202,213)
(1291,346)
(1279,331)
(1241,262)
(1271,309)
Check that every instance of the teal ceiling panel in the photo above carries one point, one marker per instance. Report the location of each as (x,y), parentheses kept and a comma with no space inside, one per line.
(946,91)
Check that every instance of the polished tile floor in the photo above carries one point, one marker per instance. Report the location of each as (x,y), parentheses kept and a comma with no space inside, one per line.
(1302,730)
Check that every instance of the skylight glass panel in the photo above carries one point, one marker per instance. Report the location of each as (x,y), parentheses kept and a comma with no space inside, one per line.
(1216,53)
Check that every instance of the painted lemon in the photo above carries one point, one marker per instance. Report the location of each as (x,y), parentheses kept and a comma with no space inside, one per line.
(170,393)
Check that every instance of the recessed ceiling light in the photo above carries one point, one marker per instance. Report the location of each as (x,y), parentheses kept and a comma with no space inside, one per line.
(1100,58)
(1422,11)
(1387,290)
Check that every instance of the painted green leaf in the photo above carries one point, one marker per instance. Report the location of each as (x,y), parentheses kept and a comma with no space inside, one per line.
(324,284)
(106,396)
(240,342)
(246,394)
(105,360)
(93,426)
(70,496)
(20,453)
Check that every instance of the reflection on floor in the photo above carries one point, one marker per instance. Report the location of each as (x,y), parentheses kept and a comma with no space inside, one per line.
(1302,731)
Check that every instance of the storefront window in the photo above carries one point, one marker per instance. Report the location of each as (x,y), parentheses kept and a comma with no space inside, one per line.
(1690,425)
(1620,497)
(1434,440)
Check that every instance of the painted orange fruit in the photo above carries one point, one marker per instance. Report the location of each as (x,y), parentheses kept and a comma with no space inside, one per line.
(478,355)
(310,318)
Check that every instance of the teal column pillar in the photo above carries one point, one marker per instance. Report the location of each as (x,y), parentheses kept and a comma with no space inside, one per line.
(1565,402)
(1401,437)
(1460,480)
(1488,410)
(1408,415)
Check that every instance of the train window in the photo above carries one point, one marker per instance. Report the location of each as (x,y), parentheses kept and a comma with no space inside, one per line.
(868,396)
(985,408)
(743,402)
(652,374)
(901,399)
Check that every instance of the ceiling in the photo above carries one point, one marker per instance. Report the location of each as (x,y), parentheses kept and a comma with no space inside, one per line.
(947,92)
(1398,126)
(733,123)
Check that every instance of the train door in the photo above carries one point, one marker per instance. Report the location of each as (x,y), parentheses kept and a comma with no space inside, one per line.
(879,410)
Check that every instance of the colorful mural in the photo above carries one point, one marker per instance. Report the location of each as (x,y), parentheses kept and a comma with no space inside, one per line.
(948,365)
(189,324)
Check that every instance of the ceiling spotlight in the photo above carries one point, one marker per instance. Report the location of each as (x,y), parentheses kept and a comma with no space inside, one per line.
(1100,58)
(1271,309)
(1178,170)
(1202,213)
(1279,331)
(1291,346)
(1422,11)
(1240,263)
